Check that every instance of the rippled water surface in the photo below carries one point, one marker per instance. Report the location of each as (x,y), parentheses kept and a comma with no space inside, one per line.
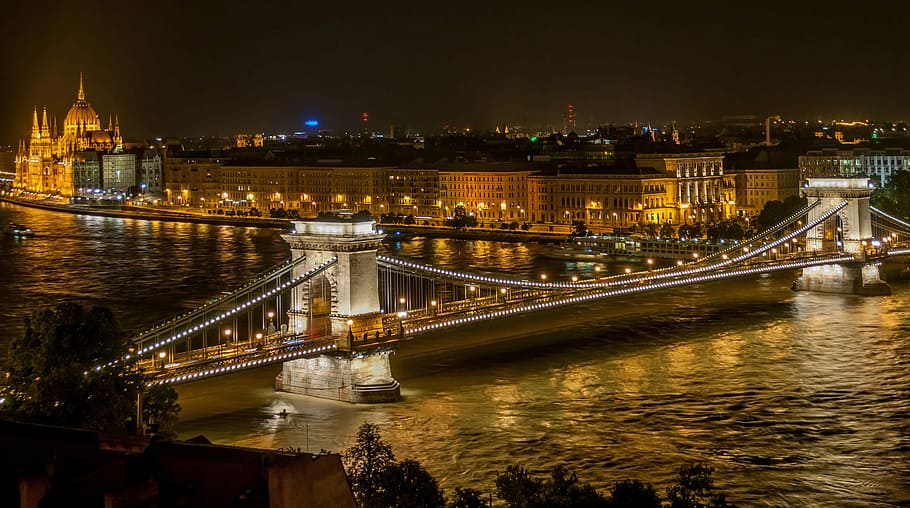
(795,398)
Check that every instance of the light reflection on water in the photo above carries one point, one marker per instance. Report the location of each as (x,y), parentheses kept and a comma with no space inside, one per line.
(795,398)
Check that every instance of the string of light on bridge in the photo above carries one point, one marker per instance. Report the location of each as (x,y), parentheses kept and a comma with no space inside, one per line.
(242,306)
(629,290)
(244,365)
(666,273)
(260,280)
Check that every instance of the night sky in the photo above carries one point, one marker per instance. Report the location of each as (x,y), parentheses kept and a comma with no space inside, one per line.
(180,68)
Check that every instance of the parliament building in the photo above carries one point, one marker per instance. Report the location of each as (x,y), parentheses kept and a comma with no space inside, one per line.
(45,163)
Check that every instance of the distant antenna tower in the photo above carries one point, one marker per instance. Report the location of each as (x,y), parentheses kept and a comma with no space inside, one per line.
(570,119)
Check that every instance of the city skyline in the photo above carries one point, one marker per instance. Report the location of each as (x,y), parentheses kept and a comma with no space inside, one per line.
(176,70)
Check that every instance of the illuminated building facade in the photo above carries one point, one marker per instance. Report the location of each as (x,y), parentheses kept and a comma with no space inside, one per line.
(45,164)
(603,198)
(876,164)
(86,173)
(667,188)
(490,192)
(412,191)
(118,172)
(151,179)
(755,187)
(698,179)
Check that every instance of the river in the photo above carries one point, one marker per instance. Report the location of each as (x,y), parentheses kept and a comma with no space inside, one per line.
(796,399)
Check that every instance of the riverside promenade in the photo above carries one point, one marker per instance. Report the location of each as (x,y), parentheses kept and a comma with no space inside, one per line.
(194,215)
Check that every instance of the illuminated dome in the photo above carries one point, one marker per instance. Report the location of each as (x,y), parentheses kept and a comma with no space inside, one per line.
(81,114)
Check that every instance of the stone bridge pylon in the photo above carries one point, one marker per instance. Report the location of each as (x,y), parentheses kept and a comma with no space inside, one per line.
(849,231)
(342,302)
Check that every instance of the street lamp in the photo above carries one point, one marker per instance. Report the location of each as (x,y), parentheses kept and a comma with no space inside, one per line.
(162,355)
(401,316)
(650,262)
(258,338)
(271,328)
(433,305)
(350,323)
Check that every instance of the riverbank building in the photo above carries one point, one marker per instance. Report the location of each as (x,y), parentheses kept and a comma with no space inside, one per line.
(44,164)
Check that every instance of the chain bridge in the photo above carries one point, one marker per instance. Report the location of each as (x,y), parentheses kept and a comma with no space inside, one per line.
(333,313)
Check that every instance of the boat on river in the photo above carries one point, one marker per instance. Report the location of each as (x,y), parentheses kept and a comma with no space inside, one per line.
(19,230)
(610,247)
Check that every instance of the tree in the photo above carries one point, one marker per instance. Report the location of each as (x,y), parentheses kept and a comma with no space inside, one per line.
(70,368)
(366,463)
(728,229)
(160,409)
(579,228)
(633,494)
(652,229)
(467,498)
(694,488)
(407,484)
(667,230)
(563,490)
(894,196)
(776,211)
(517,488)
(461,220)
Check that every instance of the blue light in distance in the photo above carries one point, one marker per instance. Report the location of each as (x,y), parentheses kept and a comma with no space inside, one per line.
(311,123)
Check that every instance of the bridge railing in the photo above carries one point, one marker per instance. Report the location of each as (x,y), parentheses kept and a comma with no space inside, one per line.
(765,233)
(417,326)
(171,374)
(266,277)
(188,324)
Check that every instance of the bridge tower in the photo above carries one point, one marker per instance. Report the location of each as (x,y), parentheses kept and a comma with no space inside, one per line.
(849,231)
(341,302)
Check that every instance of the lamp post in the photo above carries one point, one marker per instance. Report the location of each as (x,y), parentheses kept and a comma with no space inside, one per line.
(401,316)
(258,339)
(271,328)
(350,323)
(433,306)
(162,355)
(227,339)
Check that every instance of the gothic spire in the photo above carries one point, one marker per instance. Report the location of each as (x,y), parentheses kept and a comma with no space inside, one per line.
(81,95)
